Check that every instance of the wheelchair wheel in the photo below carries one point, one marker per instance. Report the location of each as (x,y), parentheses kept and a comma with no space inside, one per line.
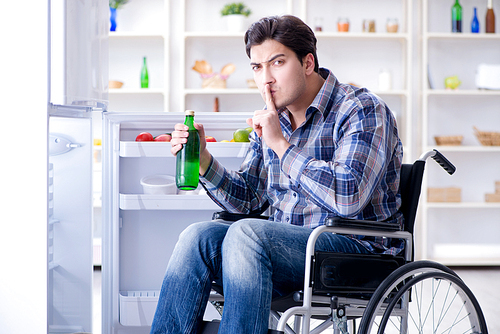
(424,300)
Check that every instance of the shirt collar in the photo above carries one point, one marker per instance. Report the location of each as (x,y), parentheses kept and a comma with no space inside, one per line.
(324,95)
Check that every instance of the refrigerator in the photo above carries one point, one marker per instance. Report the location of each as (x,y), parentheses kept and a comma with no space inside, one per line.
(139,229)
(78,84)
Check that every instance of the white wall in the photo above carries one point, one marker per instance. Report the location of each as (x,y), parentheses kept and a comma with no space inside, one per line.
(23,129)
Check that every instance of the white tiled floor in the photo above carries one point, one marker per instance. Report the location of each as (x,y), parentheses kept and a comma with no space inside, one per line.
(484,283)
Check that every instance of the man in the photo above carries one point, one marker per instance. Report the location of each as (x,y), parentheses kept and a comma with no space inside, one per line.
(320,148)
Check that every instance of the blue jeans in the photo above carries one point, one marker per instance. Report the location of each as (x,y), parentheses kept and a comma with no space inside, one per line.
(254,260)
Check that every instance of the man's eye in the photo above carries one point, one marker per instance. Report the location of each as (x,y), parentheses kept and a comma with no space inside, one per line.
(278,62)
(255,68)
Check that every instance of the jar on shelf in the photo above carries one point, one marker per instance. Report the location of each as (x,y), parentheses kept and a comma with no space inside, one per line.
(343,24)
(369,26)
(318,24)
(392,25)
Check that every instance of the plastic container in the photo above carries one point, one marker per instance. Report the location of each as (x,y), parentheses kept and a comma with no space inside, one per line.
(159,185)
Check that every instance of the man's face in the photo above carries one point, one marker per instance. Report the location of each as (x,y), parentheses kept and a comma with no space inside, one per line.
(275,64)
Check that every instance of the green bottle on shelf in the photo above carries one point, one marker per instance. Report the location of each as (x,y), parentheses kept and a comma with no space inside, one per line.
(144,75)
(188,158)
(456,17)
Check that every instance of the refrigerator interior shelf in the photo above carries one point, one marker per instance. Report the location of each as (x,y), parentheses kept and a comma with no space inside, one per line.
(152,149)
(137,308)
(166,202)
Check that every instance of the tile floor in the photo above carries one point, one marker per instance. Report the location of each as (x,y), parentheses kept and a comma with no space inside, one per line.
(484,283)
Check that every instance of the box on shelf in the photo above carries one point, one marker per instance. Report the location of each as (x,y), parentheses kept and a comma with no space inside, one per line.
(495,198)
(449,194)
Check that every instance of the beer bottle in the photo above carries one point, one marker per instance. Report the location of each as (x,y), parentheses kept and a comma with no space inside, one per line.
(188,158)
(144,74)
(456,17)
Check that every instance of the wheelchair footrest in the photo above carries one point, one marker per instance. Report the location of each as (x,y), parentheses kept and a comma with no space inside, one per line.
(274,331)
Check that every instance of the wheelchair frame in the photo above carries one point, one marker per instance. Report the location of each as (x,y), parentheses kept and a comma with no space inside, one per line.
(392,297)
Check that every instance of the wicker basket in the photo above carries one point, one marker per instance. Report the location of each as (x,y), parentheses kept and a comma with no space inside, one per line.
(487,138)
(448,140)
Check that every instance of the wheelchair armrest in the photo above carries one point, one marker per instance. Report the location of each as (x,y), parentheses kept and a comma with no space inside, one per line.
(232,217)
(362,224)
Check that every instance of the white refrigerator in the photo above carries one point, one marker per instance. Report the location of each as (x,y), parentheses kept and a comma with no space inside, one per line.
(140,230)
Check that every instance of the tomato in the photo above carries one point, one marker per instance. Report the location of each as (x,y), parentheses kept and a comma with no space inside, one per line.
(210,139)
(144,136)
(163,137)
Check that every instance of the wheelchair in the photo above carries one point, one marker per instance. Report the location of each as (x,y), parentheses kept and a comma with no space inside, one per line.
(383,293)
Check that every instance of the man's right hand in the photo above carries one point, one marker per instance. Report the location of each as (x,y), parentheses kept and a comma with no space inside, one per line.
(179,137)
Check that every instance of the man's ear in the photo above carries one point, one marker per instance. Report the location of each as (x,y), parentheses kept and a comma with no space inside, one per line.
(308,63)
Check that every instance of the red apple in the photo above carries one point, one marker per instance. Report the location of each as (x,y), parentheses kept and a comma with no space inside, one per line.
(163,137)
(210,139)
(144,136)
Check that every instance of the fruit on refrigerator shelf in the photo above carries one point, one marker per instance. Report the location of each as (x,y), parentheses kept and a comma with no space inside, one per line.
(241,136)
(144,136)
(210,139)
(164,137)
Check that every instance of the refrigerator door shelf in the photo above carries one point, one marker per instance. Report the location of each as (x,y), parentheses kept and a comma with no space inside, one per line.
(152,149)
(166,202)
(137,308)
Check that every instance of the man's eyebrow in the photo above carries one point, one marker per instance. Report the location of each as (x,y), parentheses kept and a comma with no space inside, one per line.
(269,60)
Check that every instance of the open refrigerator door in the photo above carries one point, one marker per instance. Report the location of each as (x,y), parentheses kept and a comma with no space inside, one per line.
(78,87)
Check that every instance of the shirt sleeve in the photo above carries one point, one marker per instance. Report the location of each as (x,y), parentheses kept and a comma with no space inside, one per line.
(242,191)
(345,184)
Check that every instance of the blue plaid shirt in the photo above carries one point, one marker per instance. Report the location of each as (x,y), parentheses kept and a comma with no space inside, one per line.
(344,160)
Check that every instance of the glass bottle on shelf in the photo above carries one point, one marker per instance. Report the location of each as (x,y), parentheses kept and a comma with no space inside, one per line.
(490,18)
(144,75)
(474,25)
(188,158)
(456,17)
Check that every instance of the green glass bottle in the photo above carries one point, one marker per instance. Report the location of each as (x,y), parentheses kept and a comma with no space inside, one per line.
(144,75)
(456,17)
(188,158)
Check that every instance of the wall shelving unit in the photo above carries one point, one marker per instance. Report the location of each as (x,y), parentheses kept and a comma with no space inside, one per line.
(459,233)
(210,40)
(142,31)
(345,53)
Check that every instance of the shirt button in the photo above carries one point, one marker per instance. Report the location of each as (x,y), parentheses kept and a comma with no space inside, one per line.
(294,194)
(287,219)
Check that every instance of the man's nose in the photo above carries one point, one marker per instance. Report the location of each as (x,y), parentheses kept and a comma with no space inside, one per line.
(267,76)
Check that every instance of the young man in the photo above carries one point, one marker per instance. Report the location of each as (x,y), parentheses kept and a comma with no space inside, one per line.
(320,148)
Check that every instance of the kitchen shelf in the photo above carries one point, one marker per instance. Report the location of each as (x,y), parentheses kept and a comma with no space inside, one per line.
(362,35)
(136,91)
(456,112)
(221,34)
(151,149)
(141,34)
(221,91)
(465,148)
(463,205)
(166,202)
(135,34)
(461,36)
(462,92)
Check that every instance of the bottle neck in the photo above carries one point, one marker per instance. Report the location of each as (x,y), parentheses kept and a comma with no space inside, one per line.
(189,122)
(490,4)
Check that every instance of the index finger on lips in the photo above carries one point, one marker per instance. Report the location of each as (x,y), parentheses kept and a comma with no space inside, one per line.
(269,98)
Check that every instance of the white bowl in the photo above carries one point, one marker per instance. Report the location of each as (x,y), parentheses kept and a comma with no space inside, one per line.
(159,185)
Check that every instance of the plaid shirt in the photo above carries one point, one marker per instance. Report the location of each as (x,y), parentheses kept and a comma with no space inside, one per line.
(344,160)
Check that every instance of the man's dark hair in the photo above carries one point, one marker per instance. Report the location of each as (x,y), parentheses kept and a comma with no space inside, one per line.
(288,30)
